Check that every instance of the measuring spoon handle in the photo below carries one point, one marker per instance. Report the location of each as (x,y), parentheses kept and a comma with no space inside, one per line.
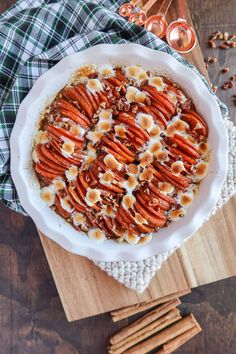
(164,7)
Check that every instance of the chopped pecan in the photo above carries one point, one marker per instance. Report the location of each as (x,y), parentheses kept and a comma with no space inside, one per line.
(228,85)
(214,88)
(225,36)
(223,46)
(213,60)
(211,44)
(225,70)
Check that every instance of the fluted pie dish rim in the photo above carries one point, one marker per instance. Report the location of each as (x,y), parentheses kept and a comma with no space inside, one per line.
(24,130)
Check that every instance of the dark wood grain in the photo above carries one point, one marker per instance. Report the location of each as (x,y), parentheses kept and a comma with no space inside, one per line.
(31,316)
(210,16)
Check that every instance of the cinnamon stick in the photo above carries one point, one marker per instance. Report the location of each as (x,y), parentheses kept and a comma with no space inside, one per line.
(143,333)
(164,336)
(181,339)
(144,321)
(128,311)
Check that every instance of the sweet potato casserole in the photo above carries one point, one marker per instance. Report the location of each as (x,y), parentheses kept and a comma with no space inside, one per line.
(120,152)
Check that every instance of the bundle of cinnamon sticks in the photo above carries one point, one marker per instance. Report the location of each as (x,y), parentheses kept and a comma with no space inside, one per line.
(163,328)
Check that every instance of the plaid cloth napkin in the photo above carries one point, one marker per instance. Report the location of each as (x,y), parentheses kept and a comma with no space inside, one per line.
(34,36)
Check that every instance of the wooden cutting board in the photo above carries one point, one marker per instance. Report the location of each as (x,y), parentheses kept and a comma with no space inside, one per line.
(208,256)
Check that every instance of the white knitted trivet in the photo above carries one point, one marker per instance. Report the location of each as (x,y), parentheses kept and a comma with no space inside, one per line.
(137,275)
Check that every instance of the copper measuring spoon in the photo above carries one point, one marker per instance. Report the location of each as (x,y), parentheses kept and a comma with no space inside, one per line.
(157,24)
(179,34)
(127,9)
(141,17)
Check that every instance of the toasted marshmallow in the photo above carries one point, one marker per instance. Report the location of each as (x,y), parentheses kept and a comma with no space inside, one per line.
(83,72)
(35,156)
(120,131)
(139,219)
(108,210)
(177,167)
(155,148)
(106,178)
(90,147)
(176,214)
(111,162)
(72,173)
(42,137)
(204,149)
(104,126)
(94,136)
(130,184)
(47,195)
(136,73)
(172,97)
(66,204)
(130,93)
(170,130)
(140,97)
(68,148)
(90,158)
(58,184)
(154,145)
(185,199)
(96,235)
(105,114)
(145,239)
(162,155)
(155,131)
(133,169)
(142,76)
(134,95)
(128,201)
(166,187)
(77,130)
(180,125)
(145,121)
(157,82)
(133,71)
(201,170)
(94,85)
(146,175)
(176,125)
(131,238)
(92,196)
(146,158)
(79,219)
(106,70)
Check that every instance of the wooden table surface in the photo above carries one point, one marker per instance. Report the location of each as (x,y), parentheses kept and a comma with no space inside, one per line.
(31,316)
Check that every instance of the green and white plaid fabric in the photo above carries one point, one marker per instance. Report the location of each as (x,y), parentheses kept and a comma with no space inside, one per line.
(34,36)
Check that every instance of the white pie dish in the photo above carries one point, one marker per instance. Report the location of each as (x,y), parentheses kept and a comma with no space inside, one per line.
(55,227)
